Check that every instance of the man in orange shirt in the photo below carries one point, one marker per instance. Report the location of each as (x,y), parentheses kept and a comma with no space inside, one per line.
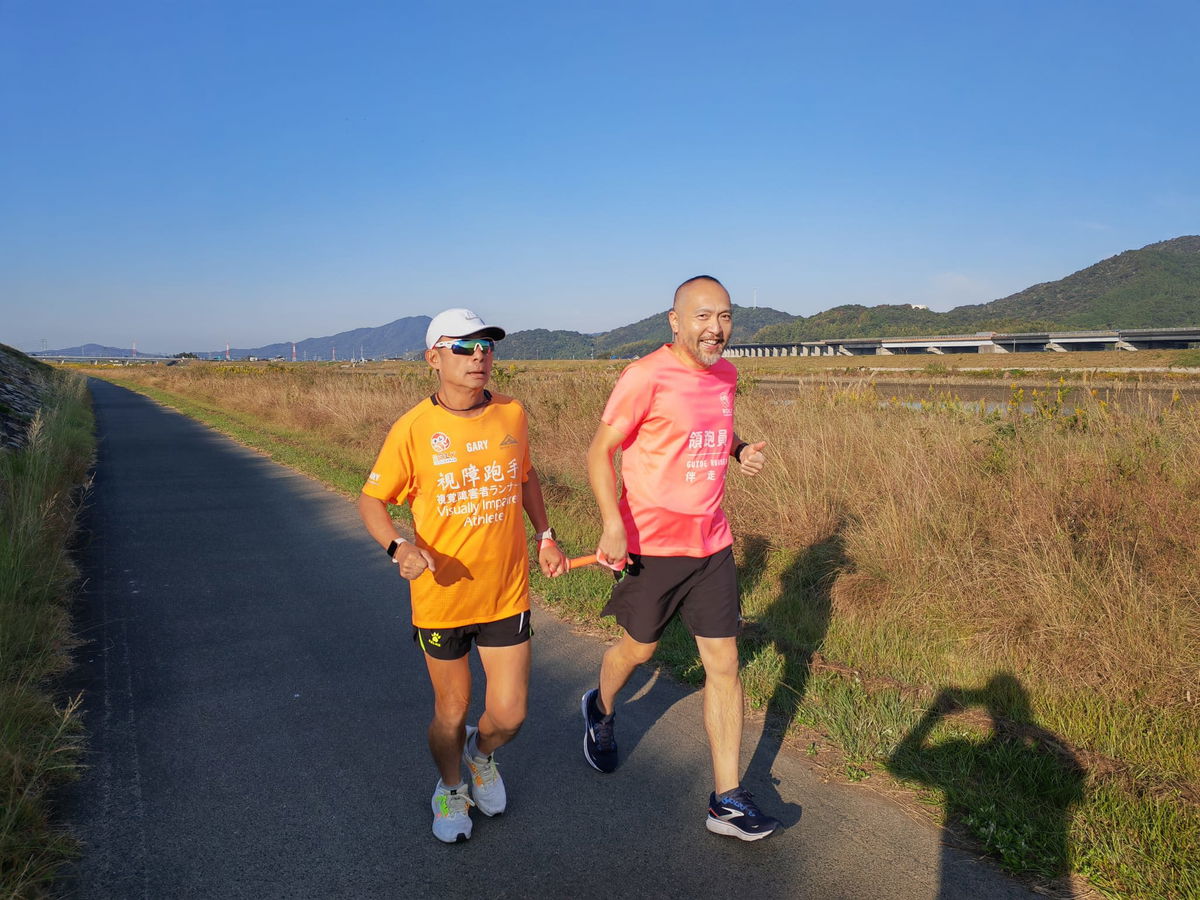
(671,414)
(460,459)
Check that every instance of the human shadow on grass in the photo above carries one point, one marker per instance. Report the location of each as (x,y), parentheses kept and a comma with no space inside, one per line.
(791,629)
(1012,791)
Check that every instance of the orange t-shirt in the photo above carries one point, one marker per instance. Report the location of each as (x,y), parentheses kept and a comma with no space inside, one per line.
(678,428)
(463,479)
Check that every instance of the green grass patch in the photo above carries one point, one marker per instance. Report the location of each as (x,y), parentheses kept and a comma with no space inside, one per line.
(39,730)
(1187,359)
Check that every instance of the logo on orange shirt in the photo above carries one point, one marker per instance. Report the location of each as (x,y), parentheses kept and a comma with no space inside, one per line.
(440,442)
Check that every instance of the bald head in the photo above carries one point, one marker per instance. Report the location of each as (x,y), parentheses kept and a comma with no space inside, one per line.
(697,283)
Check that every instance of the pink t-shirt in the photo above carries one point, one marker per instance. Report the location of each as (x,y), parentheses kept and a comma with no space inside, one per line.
(678,428)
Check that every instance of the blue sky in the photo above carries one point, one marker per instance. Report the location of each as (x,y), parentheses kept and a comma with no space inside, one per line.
(183,174)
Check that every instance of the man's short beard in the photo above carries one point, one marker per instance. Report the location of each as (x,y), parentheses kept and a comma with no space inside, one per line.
(707,360)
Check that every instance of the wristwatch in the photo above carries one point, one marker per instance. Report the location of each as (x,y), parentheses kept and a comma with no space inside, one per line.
(547,535)
(394,546)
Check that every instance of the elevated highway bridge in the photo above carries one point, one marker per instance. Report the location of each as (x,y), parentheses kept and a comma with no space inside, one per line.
(982,342)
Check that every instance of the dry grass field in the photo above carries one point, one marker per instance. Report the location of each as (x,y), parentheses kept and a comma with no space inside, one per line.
(996,607)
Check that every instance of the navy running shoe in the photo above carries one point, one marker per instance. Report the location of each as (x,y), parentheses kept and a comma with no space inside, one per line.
(735,814)
(599,741)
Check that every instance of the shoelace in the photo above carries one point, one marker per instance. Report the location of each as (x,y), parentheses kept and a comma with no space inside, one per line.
(603,732)
(740,799)
(456,804)
(485,772)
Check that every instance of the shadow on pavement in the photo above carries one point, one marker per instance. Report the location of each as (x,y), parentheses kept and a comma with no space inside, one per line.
(794,626)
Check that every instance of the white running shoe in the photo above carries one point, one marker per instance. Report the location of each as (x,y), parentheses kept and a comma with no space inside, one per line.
(487,787)
(451,820)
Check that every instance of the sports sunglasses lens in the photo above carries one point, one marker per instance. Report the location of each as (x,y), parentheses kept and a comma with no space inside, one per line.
(467,348)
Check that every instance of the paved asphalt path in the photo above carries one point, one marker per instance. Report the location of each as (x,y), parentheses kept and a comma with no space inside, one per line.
(257,715)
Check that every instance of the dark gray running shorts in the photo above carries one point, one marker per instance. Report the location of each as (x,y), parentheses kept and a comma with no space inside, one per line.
(455,643)
(652,588)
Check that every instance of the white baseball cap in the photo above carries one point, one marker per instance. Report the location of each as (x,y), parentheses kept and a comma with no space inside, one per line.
(457,323)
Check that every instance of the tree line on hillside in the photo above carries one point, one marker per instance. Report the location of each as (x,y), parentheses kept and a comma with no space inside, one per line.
(1155,287)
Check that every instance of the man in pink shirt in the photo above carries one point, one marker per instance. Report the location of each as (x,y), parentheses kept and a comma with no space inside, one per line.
(671,413)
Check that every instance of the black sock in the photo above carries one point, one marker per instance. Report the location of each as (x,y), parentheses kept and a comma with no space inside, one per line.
(596,707)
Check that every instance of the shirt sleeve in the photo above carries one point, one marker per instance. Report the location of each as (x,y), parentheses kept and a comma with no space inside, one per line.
(629,403)
(391,478)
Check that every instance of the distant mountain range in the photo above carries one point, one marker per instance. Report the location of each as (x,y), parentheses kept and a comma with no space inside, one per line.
(398,338)
(95,350)
(1157,286)
(628,340)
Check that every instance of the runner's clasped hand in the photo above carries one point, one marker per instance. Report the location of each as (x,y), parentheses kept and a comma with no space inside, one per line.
(753,460)
(412,561)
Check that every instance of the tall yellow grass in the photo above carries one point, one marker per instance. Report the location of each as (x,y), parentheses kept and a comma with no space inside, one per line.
(1064,549)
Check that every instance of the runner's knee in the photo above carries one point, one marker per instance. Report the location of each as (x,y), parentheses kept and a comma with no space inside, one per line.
(635,651)
(450,712)
(720,660)
(507,716)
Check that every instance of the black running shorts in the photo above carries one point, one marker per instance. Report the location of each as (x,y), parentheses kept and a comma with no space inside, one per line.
(455,643)
(652,588)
